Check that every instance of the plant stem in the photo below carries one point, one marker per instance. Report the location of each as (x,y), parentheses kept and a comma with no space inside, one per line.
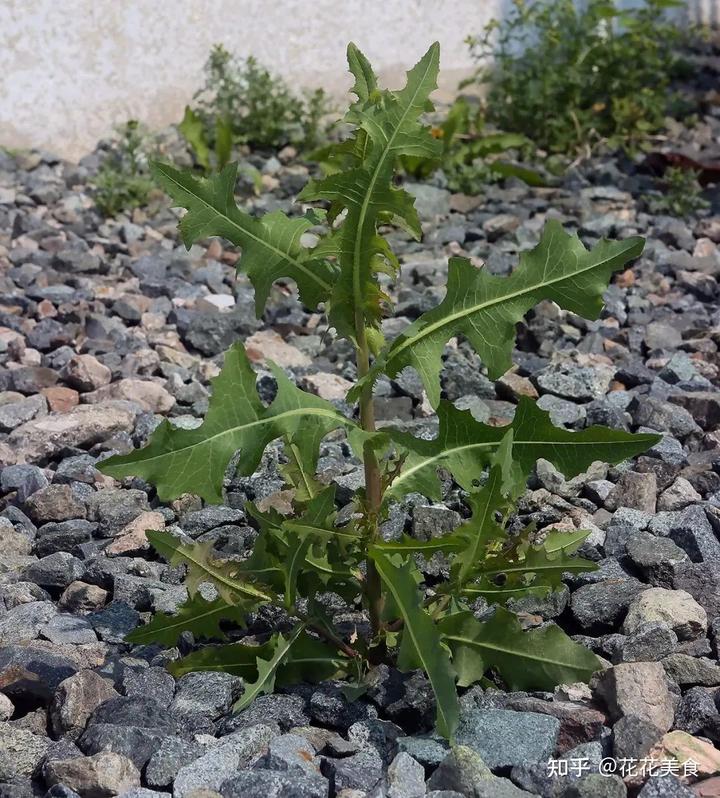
(373,482)
(335,640)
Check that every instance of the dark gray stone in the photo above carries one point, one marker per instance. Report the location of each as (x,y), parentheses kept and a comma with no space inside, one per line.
(134,742)
(172,754)
(665,787)
(114,621)
(603,605)
(62,536)
(55,571)
(24,479)
(274,784)
(633,737)
(222,761)
(361,771)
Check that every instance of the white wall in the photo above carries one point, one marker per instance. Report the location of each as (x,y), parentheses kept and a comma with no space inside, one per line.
(71,69)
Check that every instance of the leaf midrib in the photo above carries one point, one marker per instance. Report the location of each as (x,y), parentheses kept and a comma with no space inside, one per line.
(245,231)
(254,689)
(216,575)
(357,299)
(448,320)
(409,627)
(512,652)
(489,445)
(316,411)
(176,621)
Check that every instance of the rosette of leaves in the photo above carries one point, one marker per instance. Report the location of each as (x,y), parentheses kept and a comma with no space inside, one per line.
(297,559)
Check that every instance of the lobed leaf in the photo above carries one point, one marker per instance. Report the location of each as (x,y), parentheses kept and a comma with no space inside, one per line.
(537,568)
(267,668)
(271,247)
(388,128)
(538,659)
(306,658)
(421,642)
(194,461)
(240,659)
(485,308)
(196,615)
(225,575)
(464,447)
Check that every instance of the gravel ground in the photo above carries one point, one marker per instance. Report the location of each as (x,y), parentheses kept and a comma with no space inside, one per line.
(105,326)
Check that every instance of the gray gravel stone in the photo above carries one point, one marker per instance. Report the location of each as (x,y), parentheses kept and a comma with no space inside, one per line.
(24,622)
(655,557)
(21,752)
(221,762)
(291,752)
(649,642)
(406,777)
(55,571)
(603,605)
(103,775)
(633,737)
(693,532)
(75,699)
(579,383)
(173,754)
(665,787)
(686,670)
(504,738)
(274,784)
(361,771)
(640,689)
(24,479)
(70,629)
(207,693)
(462,771)
(676,608)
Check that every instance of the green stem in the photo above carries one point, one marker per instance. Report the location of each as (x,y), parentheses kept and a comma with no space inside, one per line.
(373,482)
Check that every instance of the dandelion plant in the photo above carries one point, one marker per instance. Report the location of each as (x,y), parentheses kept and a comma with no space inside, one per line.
(297,560)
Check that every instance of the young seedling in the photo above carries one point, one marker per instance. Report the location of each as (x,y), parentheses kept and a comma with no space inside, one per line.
(296,561)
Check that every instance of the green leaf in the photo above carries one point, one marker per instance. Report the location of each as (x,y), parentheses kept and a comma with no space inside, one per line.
(305,659)
(271,247)
(267,668)
(422,638)
(482,529)
(365,79)
(464,447)
(204,567)
(194,461)
(240,659)
(196,615)
(311,660)
(305,485)
(308,552)
(388,128)
(530,176)
(535,568)
(192,130)
(538,659)
(223,141)
(409,545)
(485,308)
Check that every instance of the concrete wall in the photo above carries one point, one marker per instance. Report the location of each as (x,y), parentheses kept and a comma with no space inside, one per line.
(71,69)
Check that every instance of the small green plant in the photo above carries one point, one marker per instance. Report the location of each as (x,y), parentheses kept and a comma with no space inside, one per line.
(470,156)
(569,75)
(244,103)
(680,193)
(297,560)
(123,181)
